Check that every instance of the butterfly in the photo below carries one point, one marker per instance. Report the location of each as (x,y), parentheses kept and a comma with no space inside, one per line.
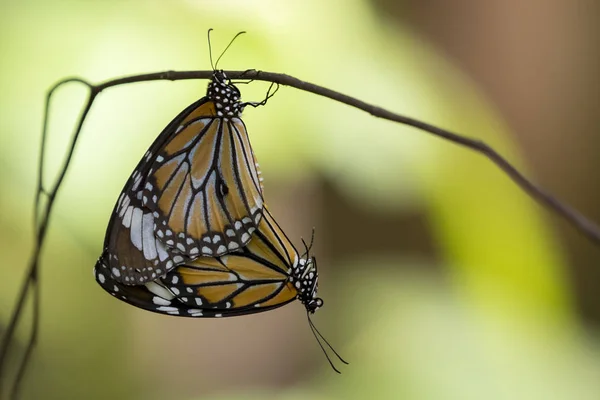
(196,192)
(265,274)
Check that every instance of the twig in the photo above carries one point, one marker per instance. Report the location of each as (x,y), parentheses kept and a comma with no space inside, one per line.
(580,222)
(40,226)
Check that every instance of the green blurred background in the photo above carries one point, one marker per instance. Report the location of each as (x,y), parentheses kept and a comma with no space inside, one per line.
(441,279)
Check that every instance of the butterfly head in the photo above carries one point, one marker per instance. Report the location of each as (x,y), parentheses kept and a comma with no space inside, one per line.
(225,95)
(306,281)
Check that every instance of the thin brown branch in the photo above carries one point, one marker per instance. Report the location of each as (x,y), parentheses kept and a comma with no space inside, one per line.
(30,282)
(572,216)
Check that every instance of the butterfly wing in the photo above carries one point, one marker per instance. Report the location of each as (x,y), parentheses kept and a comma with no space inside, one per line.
(196,192)
(204,186)
(255,279)
(131,251)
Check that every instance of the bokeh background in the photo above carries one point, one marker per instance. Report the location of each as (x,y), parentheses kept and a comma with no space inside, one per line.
(441,279)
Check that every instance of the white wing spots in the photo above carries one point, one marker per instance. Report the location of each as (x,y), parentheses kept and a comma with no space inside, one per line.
(124,206)
(159,291)
(115,288)
(194,312)
(177,259)
(175,291)
(169,265)
(189,290)
(127,217)
(238,225)
(160,158)
(206,239)
(216,239)
(116,272)
(218,315)
(175,279)
(168,310)
(206,250)
(194,251)
(136,228)
(233,246)
(251,230)
(247,220)
(189,240)
(181,247)
(162,250)
(198,300)
(222,249)
(230,233)
(148,239)
(101,278)
(136,180)
(245,237)
(120,200)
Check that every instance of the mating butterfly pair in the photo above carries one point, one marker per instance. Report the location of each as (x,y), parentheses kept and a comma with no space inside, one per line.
(190,234)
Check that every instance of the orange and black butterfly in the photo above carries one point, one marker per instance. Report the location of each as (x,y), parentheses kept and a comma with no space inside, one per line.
(196,192)
(265,274)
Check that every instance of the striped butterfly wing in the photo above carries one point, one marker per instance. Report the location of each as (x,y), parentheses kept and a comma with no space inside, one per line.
(132,251)
(204,187)
(255,279)
(196,192)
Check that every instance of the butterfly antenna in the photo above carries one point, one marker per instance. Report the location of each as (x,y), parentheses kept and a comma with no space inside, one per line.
(326,342)
(210,50)
(305,248)
(318,335)
(312,239)
(230,43)
(314,331)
